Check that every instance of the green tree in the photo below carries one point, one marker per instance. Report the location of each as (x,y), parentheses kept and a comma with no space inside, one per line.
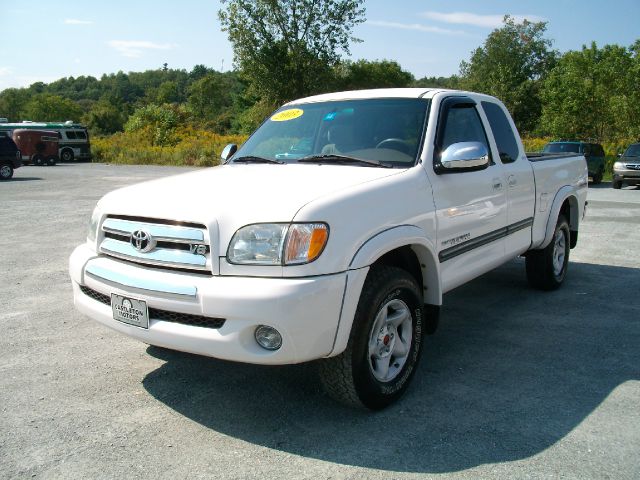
(372,74)
(209,96)
(510,66)
(168,92)
(104,118)
(287,49)
(158,123)
(438,82)
(593,93)
(46,107)
(12,101)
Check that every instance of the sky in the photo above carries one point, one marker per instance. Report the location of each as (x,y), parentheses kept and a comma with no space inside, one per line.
(44,40)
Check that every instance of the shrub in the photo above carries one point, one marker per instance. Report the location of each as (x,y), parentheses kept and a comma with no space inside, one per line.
(198,148)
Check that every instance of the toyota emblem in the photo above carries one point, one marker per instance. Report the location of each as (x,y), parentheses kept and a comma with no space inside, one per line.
(142,241)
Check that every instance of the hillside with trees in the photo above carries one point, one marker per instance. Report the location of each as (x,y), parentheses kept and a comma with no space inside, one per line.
(289,50)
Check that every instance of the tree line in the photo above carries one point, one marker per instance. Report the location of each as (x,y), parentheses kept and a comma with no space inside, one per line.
(286,50)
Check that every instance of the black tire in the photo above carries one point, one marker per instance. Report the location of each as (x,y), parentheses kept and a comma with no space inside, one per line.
(354,376)
(37,160)
(6,171)
(52,160)
(67,155)
(617,184)
(547,268)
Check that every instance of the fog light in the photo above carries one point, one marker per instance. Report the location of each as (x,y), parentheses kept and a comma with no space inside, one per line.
(268,337)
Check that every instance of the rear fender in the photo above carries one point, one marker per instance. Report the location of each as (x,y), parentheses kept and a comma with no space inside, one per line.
(565,193)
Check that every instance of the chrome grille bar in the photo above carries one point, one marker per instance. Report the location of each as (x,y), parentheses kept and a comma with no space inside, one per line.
(170,233)
(168,248)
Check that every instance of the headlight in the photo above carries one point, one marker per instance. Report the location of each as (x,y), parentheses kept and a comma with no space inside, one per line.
(619,166)
(92,234)
(278,243)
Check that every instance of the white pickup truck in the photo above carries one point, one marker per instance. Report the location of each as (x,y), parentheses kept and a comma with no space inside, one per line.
(332,234)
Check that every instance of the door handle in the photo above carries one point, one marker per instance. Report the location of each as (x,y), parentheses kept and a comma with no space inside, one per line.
(512,180)
(497,184)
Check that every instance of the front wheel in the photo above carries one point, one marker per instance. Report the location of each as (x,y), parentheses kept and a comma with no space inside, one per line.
(616,184)
(52,160)
(547,268)
(6,171)
(385,342)
(37,160)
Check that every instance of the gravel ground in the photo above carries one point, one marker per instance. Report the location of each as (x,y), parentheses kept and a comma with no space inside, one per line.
(515,384)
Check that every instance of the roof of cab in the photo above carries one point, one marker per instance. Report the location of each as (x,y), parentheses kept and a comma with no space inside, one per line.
(374,93)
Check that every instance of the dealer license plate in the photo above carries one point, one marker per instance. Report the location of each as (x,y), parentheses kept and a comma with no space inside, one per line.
(130,310)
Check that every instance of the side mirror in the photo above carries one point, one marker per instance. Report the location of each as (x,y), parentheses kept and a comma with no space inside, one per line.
(619,155)
(463,156)
(228,152)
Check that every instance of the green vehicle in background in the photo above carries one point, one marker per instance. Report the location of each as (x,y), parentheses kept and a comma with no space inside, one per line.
(593,152)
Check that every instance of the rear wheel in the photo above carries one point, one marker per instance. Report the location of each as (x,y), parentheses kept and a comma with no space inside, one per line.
(547,268)
(67,155)
(6,171)
(37,160)
(52,160)
(385,342)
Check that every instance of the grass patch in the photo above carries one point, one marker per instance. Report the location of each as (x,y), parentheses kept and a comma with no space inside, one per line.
(194,148)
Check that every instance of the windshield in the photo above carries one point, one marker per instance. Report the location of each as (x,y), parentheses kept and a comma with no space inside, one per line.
(633,150)
(386,131)
(562,148)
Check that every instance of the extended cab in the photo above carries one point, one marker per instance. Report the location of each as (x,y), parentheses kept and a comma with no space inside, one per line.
(332,234)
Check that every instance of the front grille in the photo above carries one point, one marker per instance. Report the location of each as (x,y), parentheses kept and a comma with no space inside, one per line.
(169,244)
(633,166)
(164,315)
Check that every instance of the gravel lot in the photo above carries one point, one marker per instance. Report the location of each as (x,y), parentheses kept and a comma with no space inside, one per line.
(515,384)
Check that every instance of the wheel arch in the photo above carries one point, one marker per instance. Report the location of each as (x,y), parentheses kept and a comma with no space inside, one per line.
(565,203)
(404,246)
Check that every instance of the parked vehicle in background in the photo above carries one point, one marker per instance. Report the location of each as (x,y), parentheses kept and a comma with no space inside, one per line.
(73,138)
(593,153)
(627,168)
(10,157)
(38,147)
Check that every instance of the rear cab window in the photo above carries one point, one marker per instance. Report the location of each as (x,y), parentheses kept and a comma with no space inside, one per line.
(562,147)
(506,142)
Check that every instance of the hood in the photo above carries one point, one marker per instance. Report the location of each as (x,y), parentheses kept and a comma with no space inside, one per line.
(237,195)
(624,159)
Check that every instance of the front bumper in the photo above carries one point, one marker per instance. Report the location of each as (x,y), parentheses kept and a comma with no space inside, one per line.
(306,311)
(627,175)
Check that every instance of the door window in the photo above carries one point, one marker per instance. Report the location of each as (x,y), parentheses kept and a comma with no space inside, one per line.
(462,124)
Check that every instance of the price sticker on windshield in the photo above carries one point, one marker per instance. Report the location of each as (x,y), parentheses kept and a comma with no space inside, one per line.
(286,115)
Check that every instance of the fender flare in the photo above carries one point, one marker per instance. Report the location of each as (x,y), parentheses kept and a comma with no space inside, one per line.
(566,192)
(370,251)
(402,236)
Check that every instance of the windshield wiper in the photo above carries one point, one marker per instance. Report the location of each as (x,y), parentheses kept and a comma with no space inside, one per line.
(254,159)
(342,159)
